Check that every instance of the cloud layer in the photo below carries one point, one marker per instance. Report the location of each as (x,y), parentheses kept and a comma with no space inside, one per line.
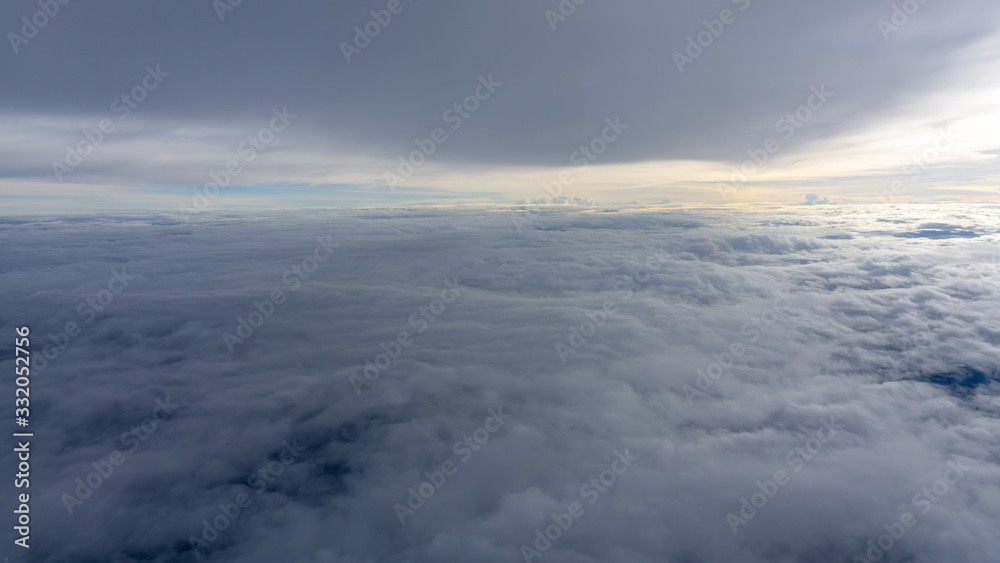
(752,64)
(855,359)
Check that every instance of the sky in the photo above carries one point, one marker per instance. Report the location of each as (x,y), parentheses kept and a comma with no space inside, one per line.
(559,281)
(143,105)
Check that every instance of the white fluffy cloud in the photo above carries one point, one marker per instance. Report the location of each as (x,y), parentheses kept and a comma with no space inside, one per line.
(890,338)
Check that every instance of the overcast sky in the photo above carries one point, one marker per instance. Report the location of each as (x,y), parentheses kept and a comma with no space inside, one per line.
(548,76)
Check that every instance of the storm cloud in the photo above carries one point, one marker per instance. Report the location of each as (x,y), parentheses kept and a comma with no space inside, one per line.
(696,82)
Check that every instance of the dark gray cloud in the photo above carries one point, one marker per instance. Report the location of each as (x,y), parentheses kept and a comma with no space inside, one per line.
(890,340)
(605,60)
